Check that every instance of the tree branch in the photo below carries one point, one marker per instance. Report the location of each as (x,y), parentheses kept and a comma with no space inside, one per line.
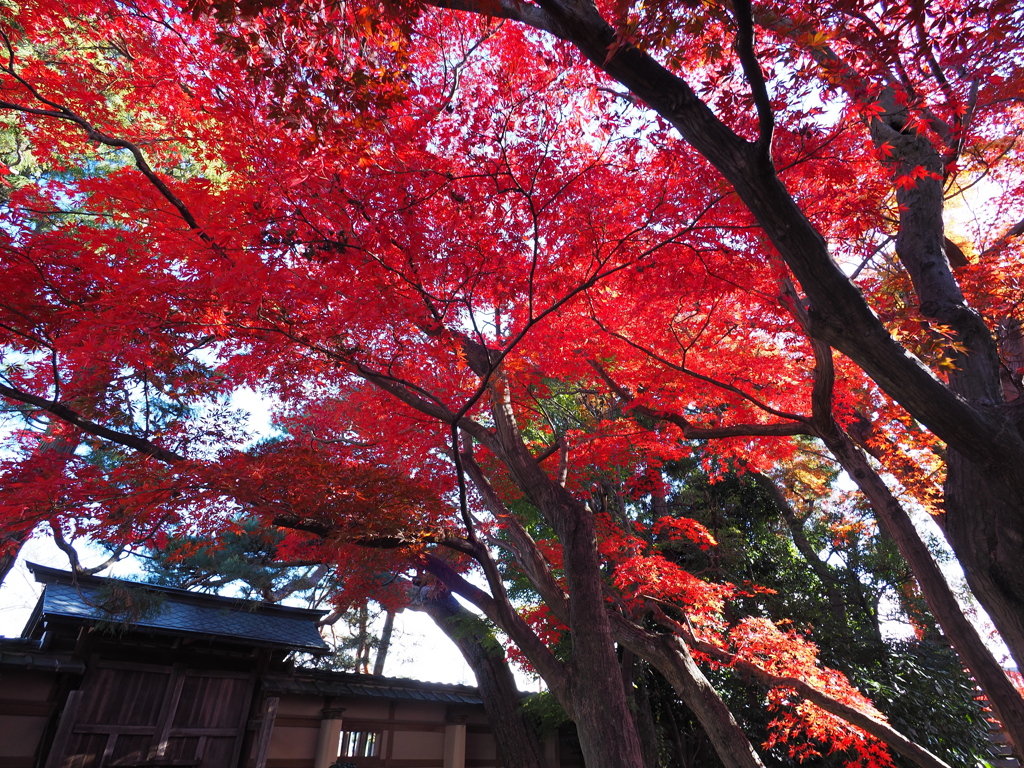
(528,14)
(754,74)
(798,425)
(550,668)
(524,548)
(65,413)
(881,731)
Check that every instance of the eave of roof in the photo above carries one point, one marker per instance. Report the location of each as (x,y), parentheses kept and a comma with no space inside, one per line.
(18,653)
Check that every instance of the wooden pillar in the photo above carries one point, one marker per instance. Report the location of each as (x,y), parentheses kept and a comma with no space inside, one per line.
(329,741)
(455,745)
(551,752)
(266,729)
(63,736)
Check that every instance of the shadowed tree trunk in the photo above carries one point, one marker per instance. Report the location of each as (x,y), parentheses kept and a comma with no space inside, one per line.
(384,644)
(639,700)
(516,740)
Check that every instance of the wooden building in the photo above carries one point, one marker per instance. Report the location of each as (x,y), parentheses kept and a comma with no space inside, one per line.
(114,674)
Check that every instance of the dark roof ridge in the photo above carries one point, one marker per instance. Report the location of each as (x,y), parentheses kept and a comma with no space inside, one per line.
(337,684)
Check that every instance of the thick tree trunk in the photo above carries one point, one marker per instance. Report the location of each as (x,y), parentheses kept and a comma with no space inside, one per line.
(605,725)
(640,705)
(595,696)
(984,495)
(516,740)
(649,739)
(985,527)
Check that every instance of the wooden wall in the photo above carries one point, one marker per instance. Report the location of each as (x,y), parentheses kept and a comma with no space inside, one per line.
(126,714)
(26,707)
(123,713)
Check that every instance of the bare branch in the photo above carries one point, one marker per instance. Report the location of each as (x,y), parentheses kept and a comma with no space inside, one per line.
(65,413)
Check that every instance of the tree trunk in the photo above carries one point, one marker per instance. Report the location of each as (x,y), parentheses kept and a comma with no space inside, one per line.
(384,644)
(595,697)
(633,677)
(11,543)
(985,527)
(1006,702)
(516,740)
(604,722)
(672,659)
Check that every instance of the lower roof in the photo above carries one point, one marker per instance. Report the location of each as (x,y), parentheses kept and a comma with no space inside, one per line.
(343,684)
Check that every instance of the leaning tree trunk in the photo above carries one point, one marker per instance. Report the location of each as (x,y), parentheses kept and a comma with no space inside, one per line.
(517,742)
(10,546)
(672,659)
(1006,702)
(984,489)
(597,697)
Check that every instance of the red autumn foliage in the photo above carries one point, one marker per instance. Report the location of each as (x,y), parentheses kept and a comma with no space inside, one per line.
(486,273)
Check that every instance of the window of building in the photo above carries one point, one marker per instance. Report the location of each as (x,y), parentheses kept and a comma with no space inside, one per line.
(359,744)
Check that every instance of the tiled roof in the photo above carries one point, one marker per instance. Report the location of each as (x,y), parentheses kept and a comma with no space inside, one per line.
(309,682)
(177,611)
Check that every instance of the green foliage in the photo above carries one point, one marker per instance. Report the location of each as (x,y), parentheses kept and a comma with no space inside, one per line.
(353,647)
(125,605)
(922,687)
(243,556)
(544,713)
(919,684)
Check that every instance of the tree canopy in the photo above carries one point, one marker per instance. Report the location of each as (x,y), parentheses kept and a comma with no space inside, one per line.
(496,264)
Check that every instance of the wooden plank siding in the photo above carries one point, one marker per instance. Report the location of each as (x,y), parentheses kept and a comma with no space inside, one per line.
(134,714)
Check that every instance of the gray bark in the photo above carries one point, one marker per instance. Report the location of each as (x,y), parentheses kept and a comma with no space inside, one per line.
(385,643)
(516,740)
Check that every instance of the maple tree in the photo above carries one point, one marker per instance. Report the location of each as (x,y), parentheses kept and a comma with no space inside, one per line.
(421,230)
